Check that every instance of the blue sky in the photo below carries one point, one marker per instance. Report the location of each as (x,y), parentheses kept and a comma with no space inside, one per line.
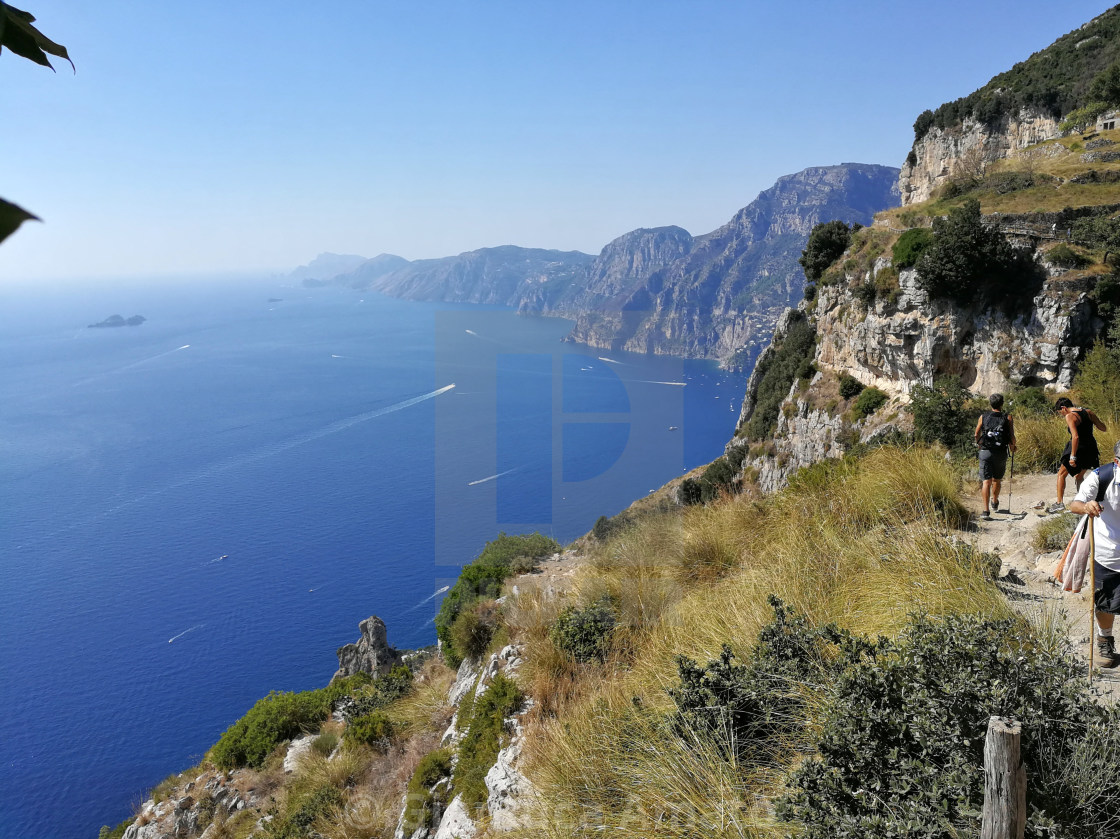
(244,136)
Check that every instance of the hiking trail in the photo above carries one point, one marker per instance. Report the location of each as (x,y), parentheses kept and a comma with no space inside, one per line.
(1025,573)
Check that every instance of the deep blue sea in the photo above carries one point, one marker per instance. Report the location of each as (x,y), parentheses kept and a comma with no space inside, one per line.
(202,508)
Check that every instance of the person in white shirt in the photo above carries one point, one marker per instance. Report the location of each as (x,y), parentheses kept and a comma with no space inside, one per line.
(1106,533)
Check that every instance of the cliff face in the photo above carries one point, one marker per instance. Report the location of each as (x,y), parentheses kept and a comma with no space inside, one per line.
(723,294)
(899,341)
(968,149)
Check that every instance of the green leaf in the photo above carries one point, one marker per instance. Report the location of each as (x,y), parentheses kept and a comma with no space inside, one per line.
(18,35)
(11,217)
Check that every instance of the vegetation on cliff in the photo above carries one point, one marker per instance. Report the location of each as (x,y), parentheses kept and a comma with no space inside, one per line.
(1071,72)
(482,580)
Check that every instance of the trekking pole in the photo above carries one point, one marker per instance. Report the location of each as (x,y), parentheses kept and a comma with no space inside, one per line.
(1010,478)
(1092,590)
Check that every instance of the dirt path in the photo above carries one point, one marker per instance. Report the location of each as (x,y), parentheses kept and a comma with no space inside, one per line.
(1025,575)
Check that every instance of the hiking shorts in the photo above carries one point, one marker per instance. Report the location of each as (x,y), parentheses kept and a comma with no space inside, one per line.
(993,463)
(1107,595)
(1090,460)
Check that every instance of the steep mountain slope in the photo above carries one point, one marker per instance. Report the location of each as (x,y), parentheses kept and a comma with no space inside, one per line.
(1016,109)
(661,290)
(723,295)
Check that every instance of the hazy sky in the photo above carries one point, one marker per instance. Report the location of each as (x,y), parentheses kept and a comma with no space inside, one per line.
(246,135)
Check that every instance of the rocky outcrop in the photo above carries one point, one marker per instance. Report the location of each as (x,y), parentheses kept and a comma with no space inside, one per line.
(905,339)
(894,346)
(509,792)
(371,654)
(968,149)
(205,804)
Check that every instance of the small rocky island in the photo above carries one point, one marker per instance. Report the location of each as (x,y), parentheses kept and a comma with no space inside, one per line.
(117,320)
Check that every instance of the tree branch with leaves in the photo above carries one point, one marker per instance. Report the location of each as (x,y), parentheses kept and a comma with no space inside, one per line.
(19,36)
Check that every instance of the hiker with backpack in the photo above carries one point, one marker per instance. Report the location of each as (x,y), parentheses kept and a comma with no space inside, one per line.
(1080,456)
(1099,498)
(995,435)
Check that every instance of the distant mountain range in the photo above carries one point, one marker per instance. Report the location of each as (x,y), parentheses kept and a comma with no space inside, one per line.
(657,290)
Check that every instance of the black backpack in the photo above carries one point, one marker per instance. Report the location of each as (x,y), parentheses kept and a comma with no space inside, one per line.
(994,432)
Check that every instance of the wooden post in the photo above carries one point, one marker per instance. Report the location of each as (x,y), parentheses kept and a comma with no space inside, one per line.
(1005,782)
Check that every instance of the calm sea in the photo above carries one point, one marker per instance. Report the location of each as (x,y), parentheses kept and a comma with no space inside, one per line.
(202,508)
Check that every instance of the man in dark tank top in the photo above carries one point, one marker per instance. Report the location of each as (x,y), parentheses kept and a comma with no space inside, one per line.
(1081,455)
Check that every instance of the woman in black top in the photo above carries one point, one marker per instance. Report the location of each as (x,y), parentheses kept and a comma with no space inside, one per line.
(1081,452)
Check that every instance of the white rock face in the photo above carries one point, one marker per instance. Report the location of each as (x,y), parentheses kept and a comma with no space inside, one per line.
(510,793)
(464,679)
(457,822)
(944,151)
(897,344)
(297,750)
(894,347)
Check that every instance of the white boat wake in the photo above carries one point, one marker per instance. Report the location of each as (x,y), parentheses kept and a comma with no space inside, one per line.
(131,366)
(261,454)
(490,478)
(184,632)
(610,360)
(429,598)
(652,382)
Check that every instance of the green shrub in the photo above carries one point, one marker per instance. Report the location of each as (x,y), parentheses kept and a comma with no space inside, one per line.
(1098,380)
(776,372)
(421,805)
(272,720)
(301,813)
(1107,297)
(1029,402)
(865,293)
(480,745)
(910,246)
(868,402)
(942,414)
(969,262)
(748,710)
(380,692)
(1100,233)
(374,729)
(716,479)
(900,748)
(117,832)
(849,386)
(1054,532)
(482,580)
(585,634)
(474,627)
(827,242)
(606,527)
(1065,257)
(691,491)
(325,744)
(1083,118)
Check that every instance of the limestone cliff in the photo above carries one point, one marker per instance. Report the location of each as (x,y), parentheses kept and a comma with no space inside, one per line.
(900,339)
(968,149)
(1016,109)
(723,294)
